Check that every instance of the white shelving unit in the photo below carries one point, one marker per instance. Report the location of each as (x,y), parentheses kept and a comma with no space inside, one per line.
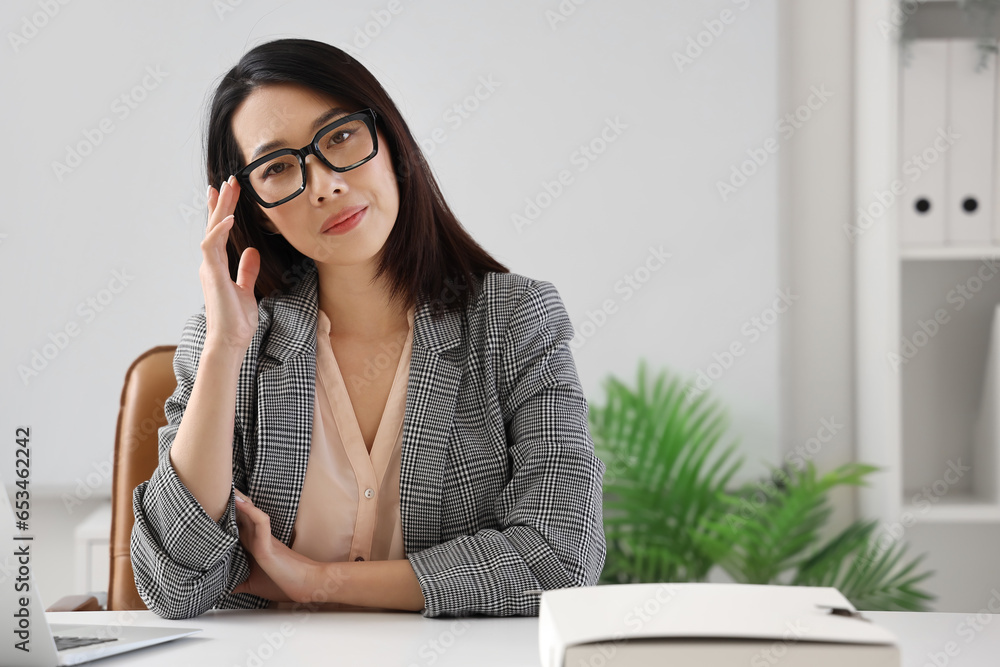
(950,252)
(935,413)
(92,553)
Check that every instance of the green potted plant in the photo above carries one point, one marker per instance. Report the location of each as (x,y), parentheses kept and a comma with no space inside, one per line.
(671,515)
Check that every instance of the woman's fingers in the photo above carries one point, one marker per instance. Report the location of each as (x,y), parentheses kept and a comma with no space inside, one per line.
(222,206)
(213,248)
(260,584)
(222,202)
(249,268)
(213,198)
(256,529)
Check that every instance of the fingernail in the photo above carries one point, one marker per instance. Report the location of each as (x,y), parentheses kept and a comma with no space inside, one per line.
(231,179)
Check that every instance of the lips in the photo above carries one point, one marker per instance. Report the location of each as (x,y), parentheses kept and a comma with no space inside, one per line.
(340,216)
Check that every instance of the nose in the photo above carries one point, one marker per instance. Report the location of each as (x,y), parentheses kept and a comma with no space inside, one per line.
(321,181)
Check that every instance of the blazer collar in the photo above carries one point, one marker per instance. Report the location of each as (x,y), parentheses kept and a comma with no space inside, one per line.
(289,318)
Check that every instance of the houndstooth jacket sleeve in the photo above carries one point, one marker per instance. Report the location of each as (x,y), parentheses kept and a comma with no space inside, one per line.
(500,488)
(524,511)
(183,561)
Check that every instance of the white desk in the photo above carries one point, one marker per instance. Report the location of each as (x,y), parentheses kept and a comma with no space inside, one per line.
(256,638)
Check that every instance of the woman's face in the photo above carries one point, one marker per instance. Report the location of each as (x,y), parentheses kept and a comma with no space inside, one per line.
(286,113)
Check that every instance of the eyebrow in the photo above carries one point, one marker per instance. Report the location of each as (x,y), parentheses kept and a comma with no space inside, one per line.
(278,143)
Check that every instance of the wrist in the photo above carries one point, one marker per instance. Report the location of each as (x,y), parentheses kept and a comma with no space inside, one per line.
(325,581)
(220,353)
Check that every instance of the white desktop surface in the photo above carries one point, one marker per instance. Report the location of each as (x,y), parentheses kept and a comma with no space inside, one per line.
(407,639)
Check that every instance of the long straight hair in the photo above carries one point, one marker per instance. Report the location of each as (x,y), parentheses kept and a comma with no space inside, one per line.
(428,254)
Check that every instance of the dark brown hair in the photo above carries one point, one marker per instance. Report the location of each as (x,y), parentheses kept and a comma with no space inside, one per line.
(428,254)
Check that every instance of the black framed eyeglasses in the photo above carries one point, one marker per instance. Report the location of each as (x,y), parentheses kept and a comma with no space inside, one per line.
(344,144)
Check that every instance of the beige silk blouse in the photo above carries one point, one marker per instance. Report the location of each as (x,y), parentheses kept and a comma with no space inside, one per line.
(349,504)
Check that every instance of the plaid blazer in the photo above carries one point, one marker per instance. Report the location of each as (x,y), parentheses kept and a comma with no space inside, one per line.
(500,488)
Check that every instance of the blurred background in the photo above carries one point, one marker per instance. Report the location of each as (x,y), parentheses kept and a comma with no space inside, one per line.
(695,178)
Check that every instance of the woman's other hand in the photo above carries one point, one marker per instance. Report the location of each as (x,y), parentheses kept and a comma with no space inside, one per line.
(281,571)
(230,307)
(258,583)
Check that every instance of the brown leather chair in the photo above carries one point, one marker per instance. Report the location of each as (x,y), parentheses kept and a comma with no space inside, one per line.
(149,381)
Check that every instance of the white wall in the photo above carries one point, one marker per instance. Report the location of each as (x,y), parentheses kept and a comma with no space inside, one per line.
(135,203)
(816,194)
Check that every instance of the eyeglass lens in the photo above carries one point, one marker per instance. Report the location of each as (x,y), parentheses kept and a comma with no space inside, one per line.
(341,146)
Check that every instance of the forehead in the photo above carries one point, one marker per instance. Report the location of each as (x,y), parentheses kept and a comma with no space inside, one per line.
(279,112)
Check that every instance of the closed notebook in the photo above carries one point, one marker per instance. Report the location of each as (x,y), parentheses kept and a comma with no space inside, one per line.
(705,624)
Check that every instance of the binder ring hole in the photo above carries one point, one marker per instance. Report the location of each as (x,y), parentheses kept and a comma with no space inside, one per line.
(969,204)
(922,205)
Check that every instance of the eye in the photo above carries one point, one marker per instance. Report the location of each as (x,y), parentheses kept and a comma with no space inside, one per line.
(346,134)
(268,171)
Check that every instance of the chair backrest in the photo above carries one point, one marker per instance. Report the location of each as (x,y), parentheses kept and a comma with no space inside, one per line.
(149,381)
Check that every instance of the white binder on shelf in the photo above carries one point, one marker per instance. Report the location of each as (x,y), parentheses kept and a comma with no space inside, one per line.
(923,111)
(969,159)
(707,624)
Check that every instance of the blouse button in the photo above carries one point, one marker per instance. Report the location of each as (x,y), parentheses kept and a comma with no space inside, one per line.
(359,558)
(369,493)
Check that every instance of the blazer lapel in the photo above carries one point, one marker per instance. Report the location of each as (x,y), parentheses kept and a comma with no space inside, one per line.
(285,394)
(435,374)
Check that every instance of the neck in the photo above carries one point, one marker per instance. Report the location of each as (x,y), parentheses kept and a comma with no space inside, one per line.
(356,308)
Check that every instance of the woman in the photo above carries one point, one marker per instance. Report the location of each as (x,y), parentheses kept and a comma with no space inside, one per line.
(371,411)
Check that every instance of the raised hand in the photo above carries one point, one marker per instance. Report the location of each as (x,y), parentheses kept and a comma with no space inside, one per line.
(230,307)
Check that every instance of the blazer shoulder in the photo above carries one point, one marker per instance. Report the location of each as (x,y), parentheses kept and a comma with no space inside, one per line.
(502,295)
(509,289)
